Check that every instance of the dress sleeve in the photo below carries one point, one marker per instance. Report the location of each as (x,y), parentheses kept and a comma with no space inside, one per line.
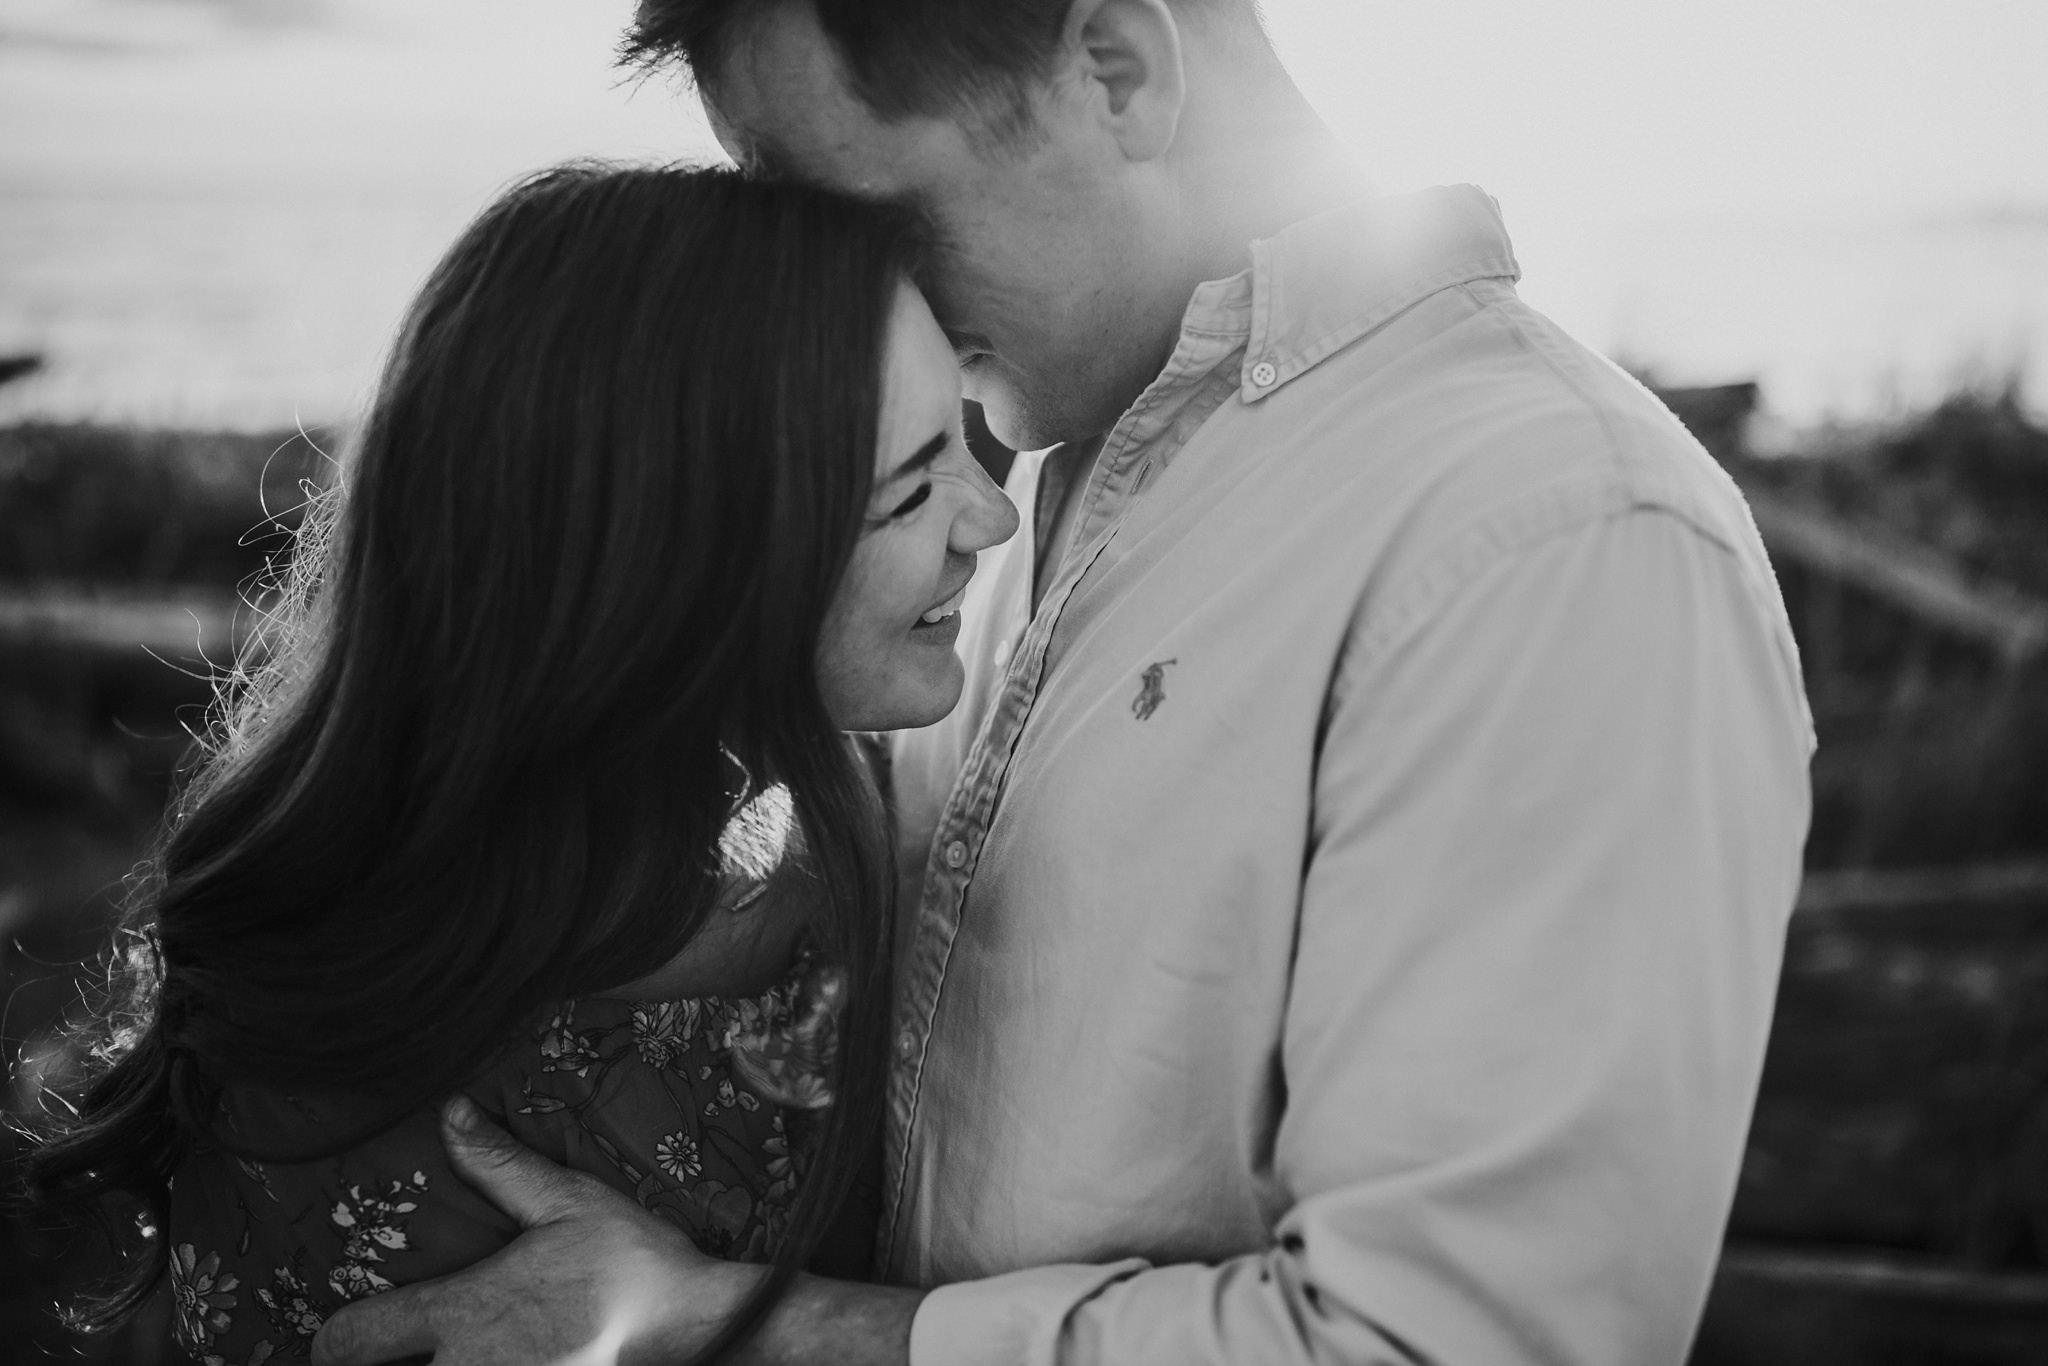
(263,1252)
(1556,835)
(699,1109)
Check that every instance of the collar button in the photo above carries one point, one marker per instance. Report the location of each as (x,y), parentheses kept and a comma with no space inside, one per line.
(1263,374)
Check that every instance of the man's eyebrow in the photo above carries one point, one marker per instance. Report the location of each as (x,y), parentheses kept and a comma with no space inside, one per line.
(922,458)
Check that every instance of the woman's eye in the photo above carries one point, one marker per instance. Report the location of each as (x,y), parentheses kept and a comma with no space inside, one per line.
(912,503)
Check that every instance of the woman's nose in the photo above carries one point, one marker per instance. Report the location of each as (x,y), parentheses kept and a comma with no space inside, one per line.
(988,518)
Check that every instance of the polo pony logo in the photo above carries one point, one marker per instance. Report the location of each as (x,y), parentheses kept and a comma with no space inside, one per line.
(1151,689)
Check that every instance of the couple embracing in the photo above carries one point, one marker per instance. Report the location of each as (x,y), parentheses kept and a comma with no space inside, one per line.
(1297,876)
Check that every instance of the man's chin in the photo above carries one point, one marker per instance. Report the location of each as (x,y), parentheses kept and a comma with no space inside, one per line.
(1033,420)
(1017,424)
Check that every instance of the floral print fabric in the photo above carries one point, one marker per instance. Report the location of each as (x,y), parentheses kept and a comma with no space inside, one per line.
(695,1108)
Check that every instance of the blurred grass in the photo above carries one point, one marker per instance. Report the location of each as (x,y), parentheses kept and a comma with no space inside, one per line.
(1969,478)
(1933,749)
(90,737)
(121,507)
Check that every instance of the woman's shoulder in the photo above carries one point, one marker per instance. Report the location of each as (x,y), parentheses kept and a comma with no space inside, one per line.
(261,1252)
(696,1108)
(677,1103)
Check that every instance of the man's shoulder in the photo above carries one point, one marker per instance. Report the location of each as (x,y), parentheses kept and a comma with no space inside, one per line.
(1479,415)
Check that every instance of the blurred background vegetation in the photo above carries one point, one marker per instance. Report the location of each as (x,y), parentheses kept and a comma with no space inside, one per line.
(126,557)
(1893,1203)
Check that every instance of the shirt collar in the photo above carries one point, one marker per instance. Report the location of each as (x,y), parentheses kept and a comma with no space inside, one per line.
(1319,285)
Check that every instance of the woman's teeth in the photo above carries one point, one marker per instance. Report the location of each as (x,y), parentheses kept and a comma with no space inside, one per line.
(944,609)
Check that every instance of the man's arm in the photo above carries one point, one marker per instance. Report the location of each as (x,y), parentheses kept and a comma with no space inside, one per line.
(595,1278)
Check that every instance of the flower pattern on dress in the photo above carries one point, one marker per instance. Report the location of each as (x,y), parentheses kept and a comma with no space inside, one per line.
(254,1171)
(289,1302)
(676,1154)
(371,1226)
(563,1048)
(652,1097)
(722,1099)
(663,1029)
(778,1197)
(539,1103)
(203,1298)
(784,1044)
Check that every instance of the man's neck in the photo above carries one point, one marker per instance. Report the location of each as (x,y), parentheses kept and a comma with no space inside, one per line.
(1249,158)
(1255,159)
(1236,187)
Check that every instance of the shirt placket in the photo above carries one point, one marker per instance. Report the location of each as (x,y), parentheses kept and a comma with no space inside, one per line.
(1145,437)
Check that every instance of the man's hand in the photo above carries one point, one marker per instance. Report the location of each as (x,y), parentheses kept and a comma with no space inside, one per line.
(594,1278)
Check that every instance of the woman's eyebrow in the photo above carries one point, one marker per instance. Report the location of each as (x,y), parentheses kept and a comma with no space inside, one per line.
(963,341)
(923,457)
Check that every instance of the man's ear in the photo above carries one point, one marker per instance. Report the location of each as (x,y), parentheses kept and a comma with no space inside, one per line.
(1129,53)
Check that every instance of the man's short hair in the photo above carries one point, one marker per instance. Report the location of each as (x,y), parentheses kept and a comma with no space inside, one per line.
(903,58)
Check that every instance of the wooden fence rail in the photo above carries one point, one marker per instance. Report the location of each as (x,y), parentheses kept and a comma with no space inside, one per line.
(186,627)
(1893,1204)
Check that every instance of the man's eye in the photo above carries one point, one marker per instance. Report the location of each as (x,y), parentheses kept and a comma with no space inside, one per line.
(912,503)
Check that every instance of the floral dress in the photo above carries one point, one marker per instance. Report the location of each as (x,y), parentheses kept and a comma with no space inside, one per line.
(697,1108)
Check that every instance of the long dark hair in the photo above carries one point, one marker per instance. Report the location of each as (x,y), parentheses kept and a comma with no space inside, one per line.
(576,568)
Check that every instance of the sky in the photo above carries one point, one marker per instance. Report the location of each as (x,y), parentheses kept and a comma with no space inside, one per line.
(1658,110)
(1849,197)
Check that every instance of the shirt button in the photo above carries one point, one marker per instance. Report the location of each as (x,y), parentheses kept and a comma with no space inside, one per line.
(906,1045)
(1264,374)
(956,854)
(1002,653)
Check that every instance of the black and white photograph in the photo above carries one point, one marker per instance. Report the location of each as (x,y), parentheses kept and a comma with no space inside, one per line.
(1023,683)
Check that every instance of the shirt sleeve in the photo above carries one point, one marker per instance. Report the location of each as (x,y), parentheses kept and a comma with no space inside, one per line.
(1557,828)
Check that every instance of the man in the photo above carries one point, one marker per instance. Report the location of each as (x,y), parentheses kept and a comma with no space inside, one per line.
(1342,919)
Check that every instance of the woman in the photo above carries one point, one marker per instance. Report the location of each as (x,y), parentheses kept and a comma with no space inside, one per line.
(663,490)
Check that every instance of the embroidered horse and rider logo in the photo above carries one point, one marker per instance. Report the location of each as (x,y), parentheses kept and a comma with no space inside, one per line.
(1151,689)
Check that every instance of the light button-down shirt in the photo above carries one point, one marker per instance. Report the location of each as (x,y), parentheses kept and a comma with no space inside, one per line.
(1341,923)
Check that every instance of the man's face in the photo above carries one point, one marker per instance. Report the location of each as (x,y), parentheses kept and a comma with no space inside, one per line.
(1042,245)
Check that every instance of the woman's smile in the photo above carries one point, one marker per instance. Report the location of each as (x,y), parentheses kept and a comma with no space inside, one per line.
(885,655)
(947,610)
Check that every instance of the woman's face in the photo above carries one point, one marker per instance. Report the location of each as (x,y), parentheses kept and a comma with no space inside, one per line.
(885,656)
